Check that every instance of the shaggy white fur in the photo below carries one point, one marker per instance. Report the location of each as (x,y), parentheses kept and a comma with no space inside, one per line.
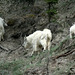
(72,30)
(2,31)
(38,40)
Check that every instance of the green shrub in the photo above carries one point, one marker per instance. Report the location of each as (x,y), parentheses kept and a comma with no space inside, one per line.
(51,9)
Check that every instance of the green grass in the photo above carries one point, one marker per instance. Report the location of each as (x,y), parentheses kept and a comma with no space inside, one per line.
(18,67)
(14,67)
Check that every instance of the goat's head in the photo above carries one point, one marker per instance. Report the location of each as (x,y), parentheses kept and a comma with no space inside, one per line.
(25,44)
(4,23)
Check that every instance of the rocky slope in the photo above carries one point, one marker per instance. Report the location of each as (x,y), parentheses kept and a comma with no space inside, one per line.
(23,19)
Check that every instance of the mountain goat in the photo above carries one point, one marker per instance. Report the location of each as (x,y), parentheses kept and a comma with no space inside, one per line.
(72,30)
(38,40)
(2,31)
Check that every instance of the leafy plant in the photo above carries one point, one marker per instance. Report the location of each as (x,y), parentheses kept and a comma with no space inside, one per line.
(14,67)
(51,9)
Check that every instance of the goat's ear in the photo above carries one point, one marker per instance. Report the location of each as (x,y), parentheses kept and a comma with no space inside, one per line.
(25,39)
(6,24)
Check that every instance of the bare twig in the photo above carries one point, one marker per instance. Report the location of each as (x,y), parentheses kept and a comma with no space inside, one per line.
(47,66)
(21,46)
(69,45)
(14,49)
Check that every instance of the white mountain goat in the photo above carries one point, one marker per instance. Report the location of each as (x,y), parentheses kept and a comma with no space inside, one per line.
(38,40)
(72,30)
(2,31)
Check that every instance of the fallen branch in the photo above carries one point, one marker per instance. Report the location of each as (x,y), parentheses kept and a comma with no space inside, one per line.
(64,54)
(3,48)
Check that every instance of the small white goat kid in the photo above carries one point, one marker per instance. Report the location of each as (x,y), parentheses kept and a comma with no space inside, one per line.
(72,30)
(2,31)
(38,40)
